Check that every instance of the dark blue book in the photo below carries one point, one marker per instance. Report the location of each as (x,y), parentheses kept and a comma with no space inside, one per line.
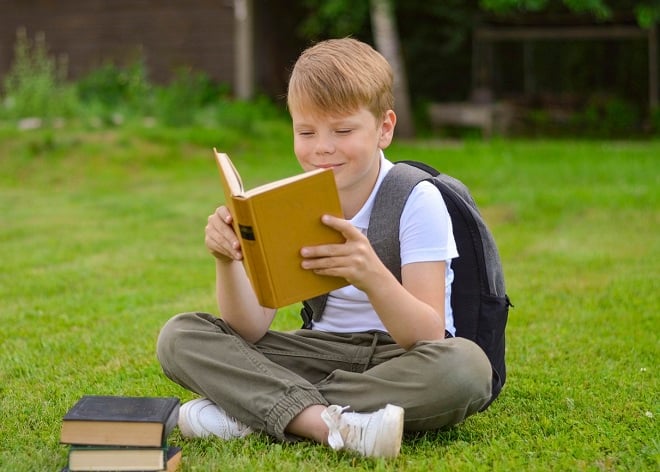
(120,421)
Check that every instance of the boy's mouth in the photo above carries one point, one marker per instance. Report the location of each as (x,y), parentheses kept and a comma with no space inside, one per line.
(328,166)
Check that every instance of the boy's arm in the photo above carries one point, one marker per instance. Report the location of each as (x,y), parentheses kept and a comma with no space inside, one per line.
(412,311)
(237,301)
(415,309)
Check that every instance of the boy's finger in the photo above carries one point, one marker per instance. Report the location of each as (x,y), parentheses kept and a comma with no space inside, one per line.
(341,225)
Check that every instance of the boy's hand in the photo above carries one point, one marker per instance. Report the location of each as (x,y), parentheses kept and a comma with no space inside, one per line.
(220,238)
(354,260)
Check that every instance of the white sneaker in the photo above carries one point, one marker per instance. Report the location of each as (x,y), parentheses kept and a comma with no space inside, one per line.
(376,434)
(201,418)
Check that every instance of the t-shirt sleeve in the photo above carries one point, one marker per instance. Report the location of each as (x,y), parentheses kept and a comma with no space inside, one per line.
(426,232)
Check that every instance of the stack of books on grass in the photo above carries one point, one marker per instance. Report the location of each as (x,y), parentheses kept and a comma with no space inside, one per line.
(116,433)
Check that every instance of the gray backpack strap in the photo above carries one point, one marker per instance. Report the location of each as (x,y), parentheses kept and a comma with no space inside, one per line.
(383,232)
(385,219)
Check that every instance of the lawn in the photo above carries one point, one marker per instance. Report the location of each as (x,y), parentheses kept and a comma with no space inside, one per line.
(101,241)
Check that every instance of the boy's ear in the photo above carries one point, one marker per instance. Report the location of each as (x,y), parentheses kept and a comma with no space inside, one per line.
(387,129)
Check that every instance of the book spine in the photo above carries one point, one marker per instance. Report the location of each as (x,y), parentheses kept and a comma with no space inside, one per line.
(254,259)
(171,421)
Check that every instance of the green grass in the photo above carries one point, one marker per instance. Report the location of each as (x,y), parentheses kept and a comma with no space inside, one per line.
(101,241)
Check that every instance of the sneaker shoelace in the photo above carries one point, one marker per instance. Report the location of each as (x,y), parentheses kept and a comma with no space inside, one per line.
(332,417)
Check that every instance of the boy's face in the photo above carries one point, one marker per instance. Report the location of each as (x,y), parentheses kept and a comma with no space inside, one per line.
(349,144)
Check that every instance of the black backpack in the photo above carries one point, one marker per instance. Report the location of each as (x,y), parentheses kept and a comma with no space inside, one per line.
(478,298)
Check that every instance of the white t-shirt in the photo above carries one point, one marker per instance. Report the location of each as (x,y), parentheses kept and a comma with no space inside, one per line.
(425,235)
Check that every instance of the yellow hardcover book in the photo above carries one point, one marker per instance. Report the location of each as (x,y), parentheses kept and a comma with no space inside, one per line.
(274,221)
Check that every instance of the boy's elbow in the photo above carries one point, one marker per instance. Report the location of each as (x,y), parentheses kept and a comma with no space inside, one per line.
(251,334)
(249,325)
(408,343)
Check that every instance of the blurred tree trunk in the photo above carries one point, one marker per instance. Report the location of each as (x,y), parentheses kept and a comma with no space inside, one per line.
(386,38)
(243,49)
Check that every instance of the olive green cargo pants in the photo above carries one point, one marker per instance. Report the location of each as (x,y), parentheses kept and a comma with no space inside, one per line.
(265,385)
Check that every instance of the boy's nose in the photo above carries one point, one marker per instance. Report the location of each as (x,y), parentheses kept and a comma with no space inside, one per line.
(325,146)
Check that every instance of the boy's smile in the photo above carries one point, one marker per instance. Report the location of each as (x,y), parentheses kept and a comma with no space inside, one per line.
(349,144)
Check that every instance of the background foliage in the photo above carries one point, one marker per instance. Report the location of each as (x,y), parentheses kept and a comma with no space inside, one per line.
(581,78)
(35,93)
(587,88)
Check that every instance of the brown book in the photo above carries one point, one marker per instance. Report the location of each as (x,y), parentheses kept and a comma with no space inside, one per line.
(94,458)
(120,421)
(274,221)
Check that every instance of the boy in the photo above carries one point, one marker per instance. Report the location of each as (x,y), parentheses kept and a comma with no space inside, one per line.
(383,347)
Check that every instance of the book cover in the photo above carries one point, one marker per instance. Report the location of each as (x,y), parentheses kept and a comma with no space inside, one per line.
(274,221)
(93,458)
(120,421)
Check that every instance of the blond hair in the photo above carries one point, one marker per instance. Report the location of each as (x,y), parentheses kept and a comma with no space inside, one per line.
(339,76)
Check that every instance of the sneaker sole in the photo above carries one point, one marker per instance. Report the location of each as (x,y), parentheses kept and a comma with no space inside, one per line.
(389,443)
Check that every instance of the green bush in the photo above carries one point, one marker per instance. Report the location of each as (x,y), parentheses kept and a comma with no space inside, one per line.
(105,85)
(608,116)
(35,85)
(247,117)
(111,92)
(113,95)
(111,85)
(180,102)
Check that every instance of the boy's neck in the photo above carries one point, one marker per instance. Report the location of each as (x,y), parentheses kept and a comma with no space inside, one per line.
(353,199)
